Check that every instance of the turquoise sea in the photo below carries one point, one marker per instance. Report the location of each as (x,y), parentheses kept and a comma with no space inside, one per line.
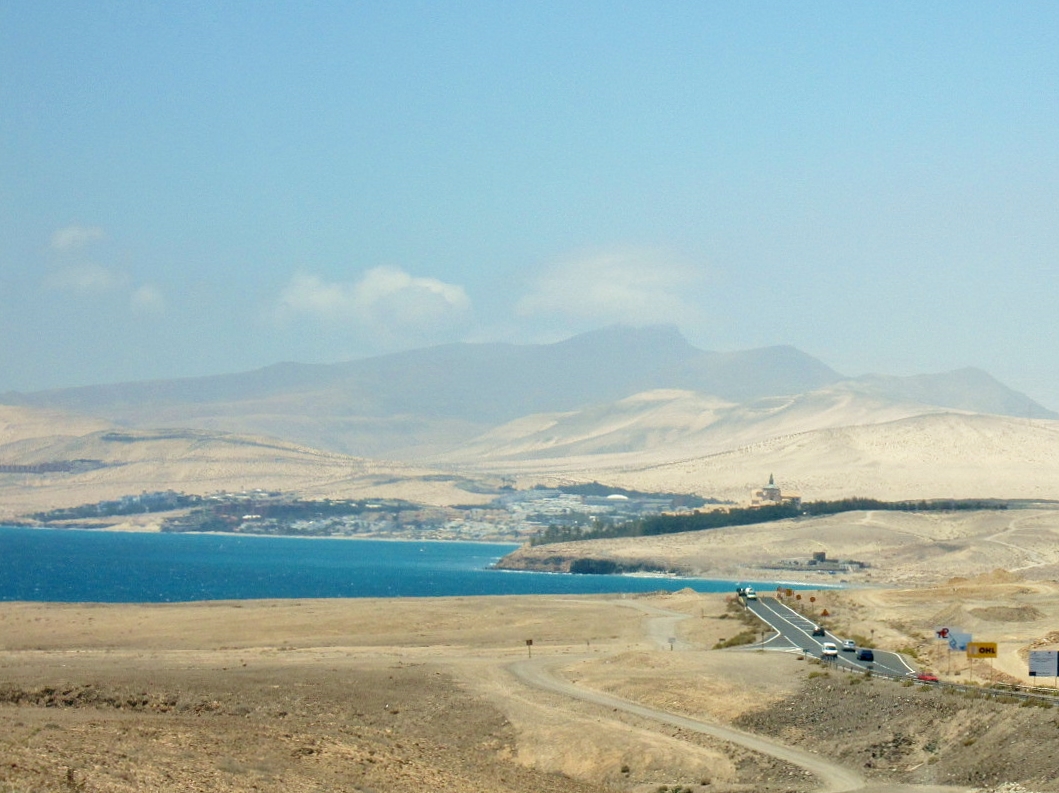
(63,565)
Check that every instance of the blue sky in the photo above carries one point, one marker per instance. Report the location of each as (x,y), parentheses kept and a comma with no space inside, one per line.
(199,187)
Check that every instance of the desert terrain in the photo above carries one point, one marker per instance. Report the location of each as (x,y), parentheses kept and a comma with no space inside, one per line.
(446,694)
(990,573)
(437,694)
(922,457)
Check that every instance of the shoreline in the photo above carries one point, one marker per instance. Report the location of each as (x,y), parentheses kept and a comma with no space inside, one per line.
(375,537)
(95,568)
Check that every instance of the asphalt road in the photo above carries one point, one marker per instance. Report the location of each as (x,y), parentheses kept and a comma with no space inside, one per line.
(832,777)
(792,632)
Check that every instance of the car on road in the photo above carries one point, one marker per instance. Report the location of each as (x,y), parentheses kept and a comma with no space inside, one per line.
(828,650)
(864,654)
(925,677)
(849,646)
(818,630)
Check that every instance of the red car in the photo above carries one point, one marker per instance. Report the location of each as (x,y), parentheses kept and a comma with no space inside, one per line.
(926,677)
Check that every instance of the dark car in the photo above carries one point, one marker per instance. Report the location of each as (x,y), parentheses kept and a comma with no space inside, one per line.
(818,630)
(864,654)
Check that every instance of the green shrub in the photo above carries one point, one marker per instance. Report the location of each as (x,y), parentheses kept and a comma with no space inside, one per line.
(1033,702)
(740,639)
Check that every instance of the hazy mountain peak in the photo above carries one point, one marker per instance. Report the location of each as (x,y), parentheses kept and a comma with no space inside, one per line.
(968,388)
(430,401)
(656,338)
(752,374)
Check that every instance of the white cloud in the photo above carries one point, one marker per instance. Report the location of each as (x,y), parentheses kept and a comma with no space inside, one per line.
(147,300)
(307,294)
(93,281)
(86,279)
(385,299)
(72,238)
(635,286)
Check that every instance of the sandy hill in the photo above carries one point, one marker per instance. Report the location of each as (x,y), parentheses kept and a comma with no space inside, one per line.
(635,408)
(678,423)
(898,548)
(50,460)
(22,423)
(941,455)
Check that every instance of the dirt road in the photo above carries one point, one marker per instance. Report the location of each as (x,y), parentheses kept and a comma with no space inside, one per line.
(413,694)
(833,777)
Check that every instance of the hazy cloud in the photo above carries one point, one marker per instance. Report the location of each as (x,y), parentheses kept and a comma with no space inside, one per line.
(385,299)
(89,280)
(629,286)
(86,279)
(72,238)
(147,300)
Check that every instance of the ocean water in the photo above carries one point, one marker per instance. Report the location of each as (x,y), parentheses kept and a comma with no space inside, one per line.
(61,565)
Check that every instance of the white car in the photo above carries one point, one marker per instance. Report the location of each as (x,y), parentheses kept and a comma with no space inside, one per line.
(828,650)
(849,646)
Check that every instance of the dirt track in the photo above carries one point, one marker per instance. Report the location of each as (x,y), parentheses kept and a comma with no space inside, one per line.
(414,695)
(829,775)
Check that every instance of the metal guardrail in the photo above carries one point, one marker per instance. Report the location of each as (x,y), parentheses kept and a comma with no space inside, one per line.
(991,691)
(997,691)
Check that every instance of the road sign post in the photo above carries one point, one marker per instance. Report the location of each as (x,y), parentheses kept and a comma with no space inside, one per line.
(1045,663)
(981,650)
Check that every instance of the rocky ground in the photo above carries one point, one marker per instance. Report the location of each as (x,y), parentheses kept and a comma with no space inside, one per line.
(418,695)
(870,548)
(917,733)
(396,729)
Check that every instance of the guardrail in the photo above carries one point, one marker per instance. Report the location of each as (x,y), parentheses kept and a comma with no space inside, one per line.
(992,691)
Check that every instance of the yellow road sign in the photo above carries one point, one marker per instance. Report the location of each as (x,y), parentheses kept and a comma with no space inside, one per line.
(981,649)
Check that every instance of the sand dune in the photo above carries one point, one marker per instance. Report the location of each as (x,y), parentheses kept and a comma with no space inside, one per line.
(941,455)
(677,422)
(199,462)
(825,445)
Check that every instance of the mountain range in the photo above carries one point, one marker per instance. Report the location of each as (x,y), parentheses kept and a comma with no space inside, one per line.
(601,404)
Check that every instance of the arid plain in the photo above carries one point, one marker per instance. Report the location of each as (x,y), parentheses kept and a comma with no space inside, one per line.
(439,693)
(417,694)
(445,694)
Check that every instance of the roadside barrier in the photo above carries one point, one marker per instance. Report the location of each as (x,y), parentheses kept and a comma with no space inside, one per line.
(994,691)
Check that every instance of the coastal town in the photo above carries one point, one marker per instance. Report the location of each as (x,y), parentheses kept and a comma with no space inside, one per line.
(512,516)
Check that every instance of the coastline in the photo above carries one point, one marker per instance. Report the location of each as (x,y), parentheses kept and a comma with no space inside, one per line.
(133,528)
(79,565)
